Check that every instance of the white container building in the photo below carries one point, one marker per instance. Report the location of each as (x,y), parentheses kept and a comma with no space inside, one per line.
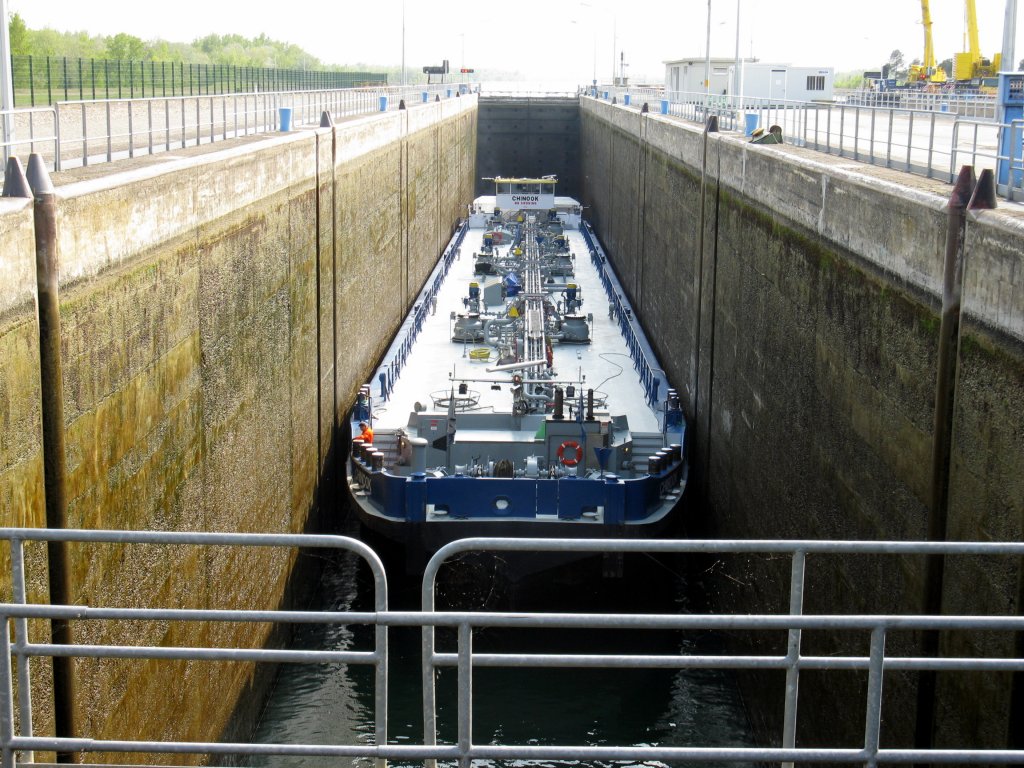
(762,81)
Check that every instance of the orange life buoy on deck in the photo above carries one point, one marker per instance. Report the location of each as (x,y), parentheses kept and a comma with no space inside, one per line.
(570,445)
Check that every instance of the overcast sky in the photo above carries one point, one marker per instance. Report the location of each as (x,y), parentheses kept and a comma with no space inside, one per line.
(554,40)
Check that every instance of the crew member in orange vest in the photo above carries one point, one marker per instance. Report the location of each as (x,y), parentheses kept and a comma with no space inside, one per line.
(367,433)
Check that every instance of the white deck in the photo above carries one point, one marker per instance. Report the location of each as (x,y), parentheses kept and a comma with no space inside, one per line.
(435,360)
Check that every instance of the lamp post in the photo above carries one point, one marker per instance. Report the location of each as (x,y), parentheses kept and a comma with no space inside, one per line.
(707,57)
(6,82)
(1009,32)
(736,86)
(403,44)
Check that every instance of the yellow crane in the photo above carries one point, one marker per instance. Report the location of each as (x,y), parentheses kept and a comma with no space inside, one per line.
(970,64)
(927,71)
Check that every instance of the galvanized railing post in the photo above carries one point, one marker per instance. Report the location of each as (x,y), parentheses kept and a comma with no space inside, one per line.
(910,139)
(131,128)
(465,693)
(873,717)
(110,137)
(871,139)
(18,592)
(85,138)
(953,153)
(856,135)
(931,145)
(6,697)
(380,605)
(427,605)
(888,137)
(796,608)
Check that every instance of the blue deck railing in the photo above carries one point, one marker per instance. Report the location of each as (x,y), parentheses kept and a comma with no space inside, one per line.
(424,306)
(649,378)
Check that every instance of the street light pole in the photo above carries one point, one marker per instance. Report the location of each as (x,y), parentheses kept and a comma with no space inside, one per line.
(1009,34)
(403,44)
(6,82)
(707,56)
(736,73)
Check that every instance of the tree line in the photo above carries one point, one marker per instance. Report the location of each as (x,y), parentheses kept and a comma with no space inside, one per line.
(231,50)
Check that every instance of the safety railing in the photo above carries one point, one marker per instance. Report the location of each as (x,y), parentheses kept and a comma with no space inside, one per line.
(18,743)
(619,309)
(877,663)
(41,125)
(426,304)
(16,734)
(931,135)
(80,133)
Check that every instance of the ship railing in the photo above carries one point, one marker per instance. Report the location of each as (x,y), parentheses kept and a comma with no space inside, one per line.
(650,379)
(887,635)
(425,306)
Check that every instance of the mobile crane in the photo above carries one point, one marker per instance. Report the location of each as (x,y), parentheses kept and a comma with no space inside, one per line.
(927,71)
(969,66)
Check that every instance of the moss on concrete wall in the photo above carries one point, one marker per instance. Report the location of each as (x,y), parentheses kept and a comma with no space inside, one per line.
(218,315)
(797,306)
(21,459)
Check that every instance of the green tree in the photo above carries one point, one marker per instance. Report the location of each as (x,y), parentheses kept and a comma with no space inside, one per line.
(125,46)
(46,42)
(897,65)
(20,36)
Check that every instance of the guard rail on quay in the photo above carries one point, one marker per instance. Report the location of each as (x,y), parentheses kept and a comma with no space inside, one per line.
(73,134)
(930,135)
(18,742)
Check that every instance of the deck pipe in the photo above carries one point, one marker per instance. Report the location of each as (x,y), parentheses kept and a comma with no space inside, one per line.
(54,457)
(942,432)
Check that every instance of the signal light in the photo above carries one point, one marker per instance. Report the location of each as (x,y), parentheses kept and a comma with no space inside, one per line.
(465,71)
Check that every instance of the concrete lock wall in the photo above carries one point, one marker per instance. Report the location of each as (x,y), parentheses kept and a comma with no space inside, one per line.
(217,316)
(795,298)
(524,136)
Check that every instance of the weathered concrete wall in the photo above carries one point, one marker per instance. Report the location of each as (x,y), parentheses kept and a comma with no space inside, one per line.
(522,136)
(21,458)
(218,314)
(795,299)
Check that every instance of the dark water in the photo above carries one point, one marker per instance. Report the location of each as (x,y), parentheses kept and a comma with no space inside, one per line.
(333,704)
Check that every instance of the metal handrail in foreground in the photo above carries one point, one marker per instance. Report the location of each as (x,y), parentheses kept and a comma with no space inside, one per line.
(878,662)
(19,612)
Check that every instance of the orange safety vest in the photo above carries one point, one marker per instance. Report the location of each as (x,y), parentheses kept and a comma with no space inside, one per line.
(367,435)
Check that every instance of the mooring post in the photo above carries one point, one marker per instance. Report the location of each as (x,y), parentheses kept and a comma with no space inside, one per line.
(54,462)
(945,391)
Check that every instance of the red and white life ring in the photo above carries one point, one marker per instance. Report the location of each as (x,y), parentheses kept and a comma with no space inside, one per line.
(570,445)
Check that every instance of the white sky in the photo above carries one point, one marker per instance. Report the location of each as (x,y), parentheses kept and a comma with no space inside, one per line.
(563,41)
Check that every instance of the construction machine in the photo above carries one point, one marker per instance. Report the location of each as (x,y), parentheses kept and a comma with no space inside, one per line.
(970,66)
(927,71)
